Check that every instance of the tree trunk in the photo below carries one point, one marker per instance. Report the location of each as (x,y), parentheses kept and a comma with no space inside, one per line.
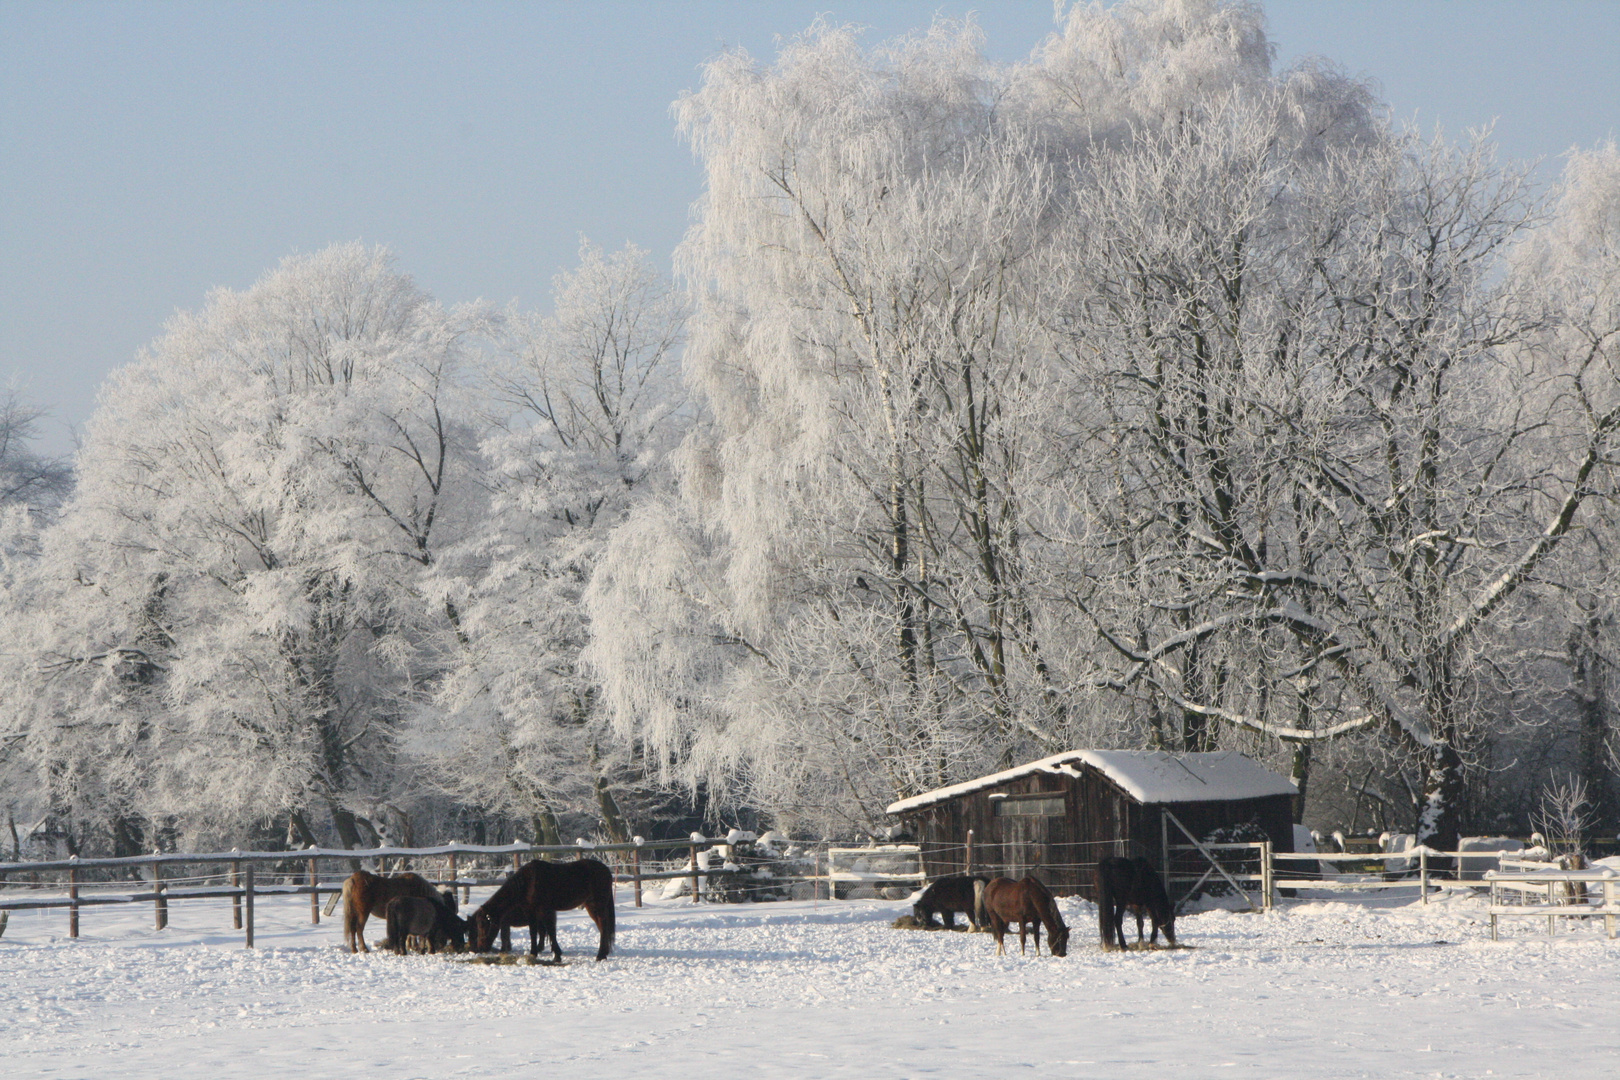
(300,828)
(1591,702)
(128,837)
(1301,777)
(546,832)
(347,829)
(612,820)
(1440,821)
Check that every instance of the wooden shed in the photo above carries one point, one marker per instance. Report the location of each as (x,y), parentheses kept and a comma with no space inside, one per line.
(1056,817)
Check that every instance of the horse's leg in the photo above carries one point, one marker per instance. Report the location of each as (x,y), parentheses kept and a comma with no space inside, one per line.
(506,939)
(537,934)
(1138,927)
(551,929)
(998,927)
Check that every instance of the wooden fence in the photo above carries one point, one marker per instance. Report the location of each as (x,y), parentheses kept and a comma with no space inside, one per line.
(1561,894)
(1253,870)
(238,881)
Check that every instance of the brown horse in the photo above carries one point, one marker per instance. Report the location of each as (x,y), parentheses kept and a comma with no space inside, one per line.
(365,892)
(1029,904)
(1132,885)
(534,895)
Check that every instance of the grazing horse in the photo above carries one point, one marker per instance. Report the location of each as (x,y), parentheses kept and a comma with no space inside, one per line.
(1133,884)
(1029,904)
(534,895)
(947,897)
(365,892)
(413,917)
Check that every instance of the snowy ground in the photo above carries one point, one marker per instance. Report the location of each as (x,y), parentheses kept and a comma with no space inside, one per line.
(1316,989)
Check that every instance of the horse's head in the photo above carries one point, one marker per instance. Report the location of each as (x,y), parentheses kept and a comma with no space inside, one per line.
(455,928)
(447,897)
(1169,927)
(1059,941)
(480,931)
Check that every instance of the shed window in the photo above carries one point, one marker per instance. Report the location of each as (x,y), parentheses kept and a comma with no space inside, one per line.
(1040,806)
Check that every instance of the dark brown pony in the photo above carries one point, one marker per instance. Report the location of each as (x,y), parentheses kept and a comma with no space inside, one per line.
(948,897)
(1132,884)
(1029,904)
(434,924)
(534,895)
(365,893)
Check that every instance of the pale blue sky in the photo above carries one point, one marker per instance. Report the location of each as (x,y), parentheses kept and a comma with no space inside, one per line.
(151,151)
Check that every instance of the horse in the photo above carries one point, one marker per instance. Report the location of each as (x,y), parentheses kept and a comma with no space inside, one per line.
(1134,884)
(434,923)
(365,892)
(1029,904)
(948,896)
(535,893)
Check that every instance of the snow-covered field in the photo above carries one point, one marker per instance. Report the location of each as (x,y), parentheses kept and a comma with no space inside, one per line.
(1315,989)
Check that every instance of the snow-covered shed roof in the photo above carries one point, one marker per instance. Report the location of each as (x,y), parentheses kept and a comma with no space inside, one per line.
(1148,776)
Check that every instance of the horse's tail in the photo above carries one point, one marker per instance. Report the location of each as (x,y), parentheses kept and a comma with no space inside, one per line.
(981,918)
(353,922)
(599,905)
(1105,905)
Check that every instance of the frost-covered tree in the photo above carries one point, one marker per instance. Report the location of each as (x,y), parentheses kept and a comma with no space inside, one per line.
(1134,381)
(233,622)
(585,405)
(26,476)
(1346,453)
(836,609)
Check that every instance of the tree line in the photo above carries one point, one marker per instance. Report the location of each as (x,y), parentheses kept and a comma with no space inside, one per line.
(1136,394)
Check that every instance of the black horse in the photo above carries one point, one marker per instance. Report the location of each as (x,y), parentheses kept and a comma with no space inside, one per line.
(948,897)
(535,893)
(1133,884)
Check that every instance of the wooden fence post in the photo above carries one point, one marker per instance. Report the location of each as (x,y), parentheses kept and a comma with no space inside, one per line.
(314,893)
(454,877)
(517,862)
(1164,850)
(695,897)
(635,870)
(1266,876)
(236,898)
(160,903)
(73,901)
(967,861)
(247,902)
(1423,871)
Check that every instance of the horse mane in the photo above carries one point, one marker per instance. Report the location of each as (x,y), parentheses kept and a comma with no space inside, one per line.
(507,896)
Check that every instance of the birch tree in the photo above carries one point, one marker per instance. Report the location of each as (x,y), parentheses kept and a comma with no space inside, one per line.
(582,408)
